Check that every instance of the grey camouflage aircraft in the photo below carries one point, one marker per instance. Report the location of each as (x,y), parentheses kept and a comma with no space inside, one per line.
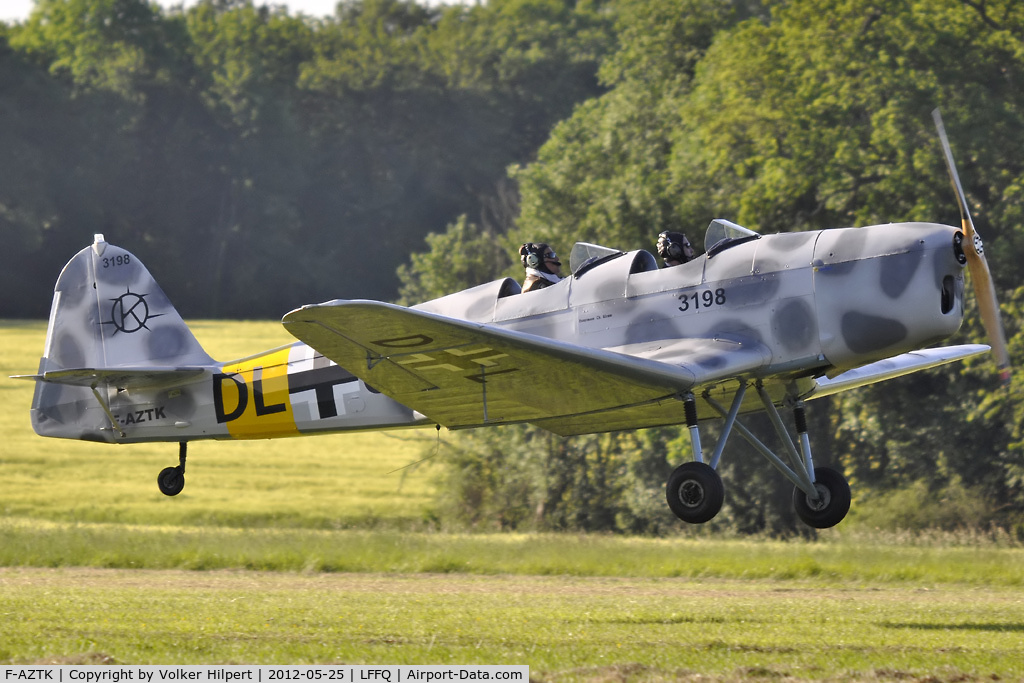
(621,344)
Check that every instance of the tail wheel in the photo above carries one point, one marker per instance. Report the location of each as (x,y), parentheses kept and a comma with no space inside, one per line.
(833,500)
(171,480)
(695,492)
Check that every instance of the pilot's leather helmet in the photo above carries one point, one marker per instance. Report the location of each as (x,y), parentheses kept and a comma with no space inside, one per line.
(537,255)
(673,246)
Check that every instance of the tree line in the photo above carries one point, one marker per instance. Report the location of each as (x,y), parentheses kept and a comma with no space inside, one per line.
(258,160)
(266,160)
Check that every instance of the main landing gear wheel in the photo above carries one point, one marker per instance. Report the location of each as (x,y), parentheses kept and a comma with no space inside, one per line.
(171,480)
(695,492)
(833,500)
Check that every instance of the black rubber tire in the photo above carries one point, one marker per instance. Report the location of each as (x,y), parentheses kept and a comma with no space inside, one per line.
(833,505)
(171,481)
(695,492)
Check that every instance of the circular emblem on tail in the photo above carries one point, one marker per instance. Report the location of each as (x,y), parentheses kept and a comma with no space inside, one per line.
(130,313)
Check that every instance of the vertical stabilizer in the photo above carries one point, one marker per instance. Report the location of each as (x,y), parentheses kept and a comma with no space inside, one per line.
(107,312)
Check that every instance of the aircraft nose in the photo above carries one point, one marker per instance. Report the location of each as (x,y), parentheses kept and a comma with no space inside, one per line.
(887,289)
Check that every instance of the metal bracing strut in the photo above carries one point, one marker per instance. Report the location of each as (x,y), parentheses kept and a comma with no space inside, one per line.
(801,474)
(106,411)
(730,420)
(806,477)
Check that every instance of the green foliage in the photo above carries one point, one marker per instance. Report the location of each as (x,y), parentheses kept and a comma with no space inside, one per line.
(464,253)
(604,175)
(918,507)
(247,63)
(95,44)
(820,118)
(523,478)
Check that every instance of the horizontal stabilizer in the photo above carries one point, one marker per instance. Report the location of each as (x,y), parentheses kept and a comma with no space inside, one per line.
(897,366)
(122,378)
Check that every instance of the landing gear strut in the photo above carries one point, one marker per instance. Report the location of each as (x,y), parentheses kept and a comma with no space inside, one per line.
(695,492)
(171,480)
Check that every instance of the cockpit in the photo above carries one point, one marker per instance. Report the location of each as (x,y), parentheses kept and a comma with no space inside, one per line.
(720,235)
(627,274)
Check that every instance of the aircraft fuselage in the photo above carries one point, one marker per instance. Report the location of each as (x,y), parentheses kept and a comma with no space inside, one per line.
(819,300)
(816,301)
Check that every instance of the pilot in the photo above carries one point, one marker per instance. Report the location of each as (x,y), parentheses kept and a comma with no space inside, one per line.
(674,248)
(542,266)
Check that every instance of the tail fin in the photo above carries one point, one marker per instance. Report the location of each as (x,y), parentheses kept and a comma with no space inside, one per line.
(109,317)
(108,311)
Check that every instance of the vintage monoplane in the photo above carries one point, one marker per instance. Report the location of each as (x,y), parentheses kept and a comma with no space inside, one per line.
(621,344)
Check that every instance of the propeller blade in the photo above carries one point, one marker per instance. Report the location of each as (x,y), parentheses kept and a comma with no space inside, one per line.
(981,276)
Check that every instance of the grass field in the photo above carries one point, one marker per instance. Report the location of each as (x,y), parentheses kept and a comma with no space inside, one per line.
(564,628)
(309,551)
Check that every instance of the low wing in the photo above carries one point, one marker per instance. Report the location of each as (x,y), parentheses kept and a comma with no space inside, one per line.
(465,374)
(125,378)
(711,361)
(897,366)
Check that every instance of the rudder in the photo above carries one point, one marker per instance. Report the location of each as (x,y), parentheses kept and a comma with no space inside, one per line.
(108,312)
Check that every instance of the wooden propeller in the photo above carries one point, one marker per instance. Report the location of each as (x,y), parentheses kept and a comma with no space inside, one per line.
(981,276)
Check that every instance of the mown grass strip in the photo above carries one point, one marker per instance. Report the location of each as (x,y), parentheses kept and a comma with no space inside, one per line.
(26,542)
(565,628)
